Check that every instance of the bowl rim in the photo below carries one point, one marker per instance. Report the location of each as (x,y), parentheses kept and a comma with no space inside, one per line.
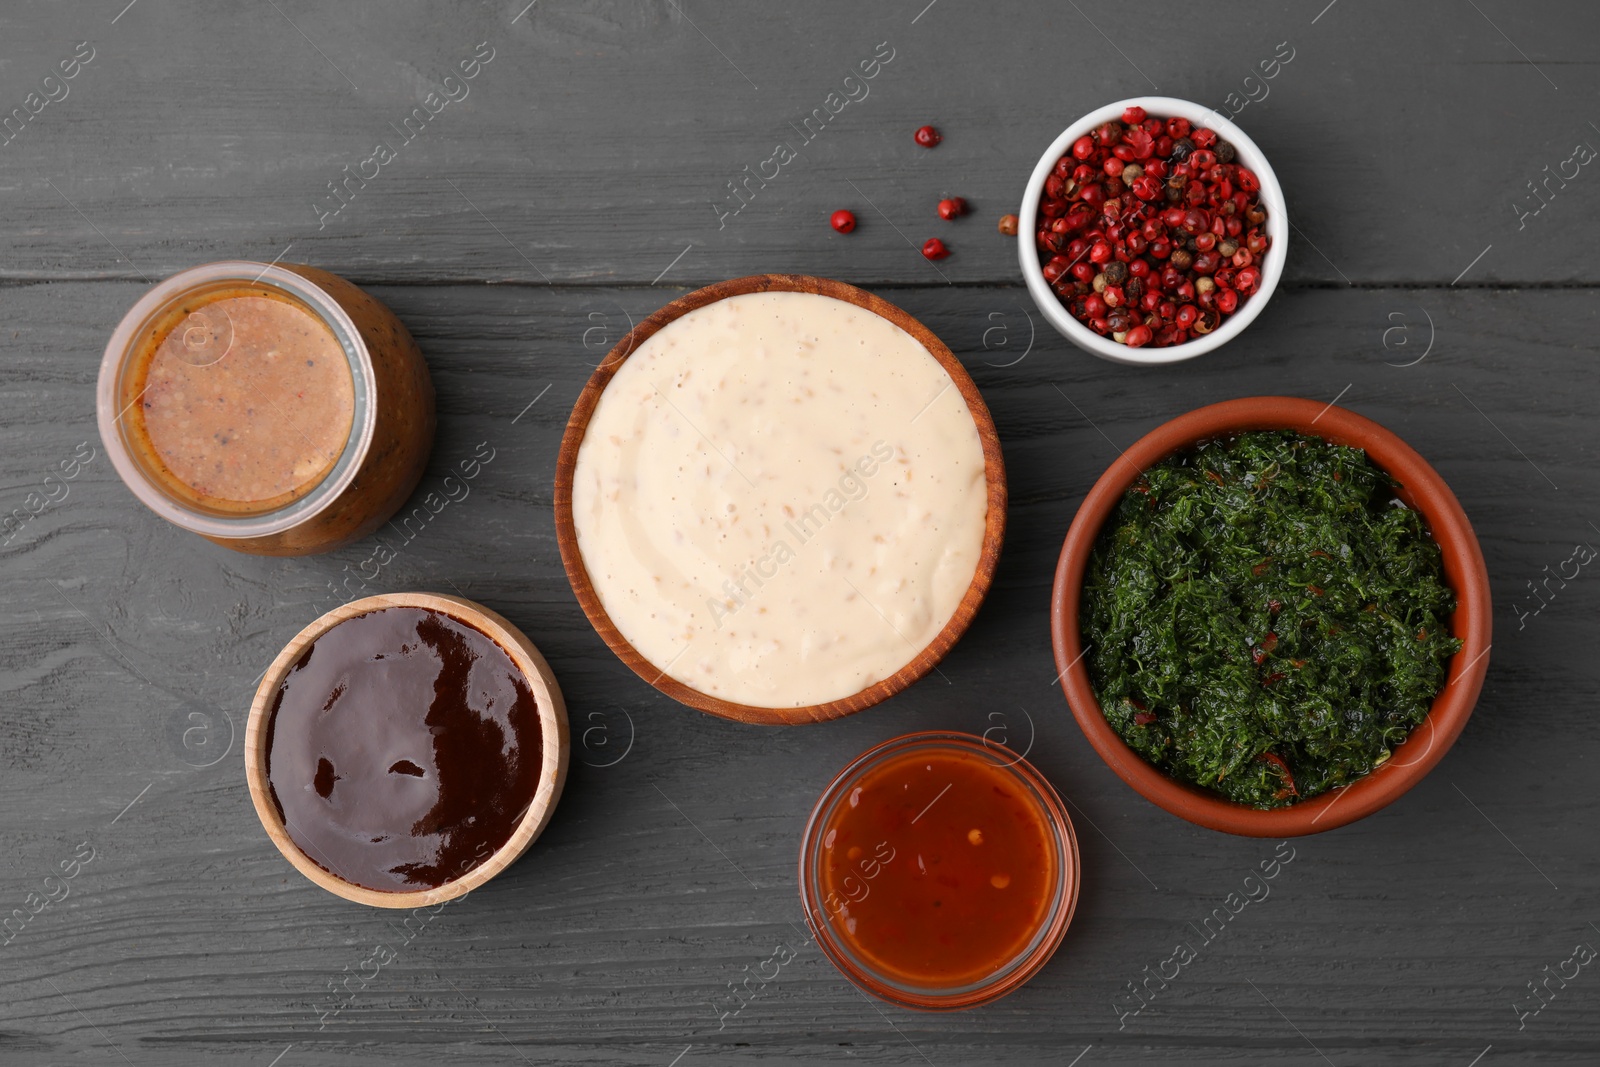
(1249,154)
(1051,932)
(1421,488)
(552,728)
(916,667)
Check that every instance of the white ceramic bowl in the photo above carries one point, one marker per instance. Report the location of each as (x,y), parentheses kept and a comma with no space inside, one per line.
(1271,267)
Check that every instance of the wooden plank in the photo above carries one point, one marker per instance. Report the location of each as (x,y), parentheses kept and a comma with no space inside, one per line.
(1403,939)
(598,144)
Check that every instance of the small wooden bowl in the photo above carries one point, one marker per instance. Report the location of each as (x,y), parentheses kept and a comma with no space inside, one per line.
(925,660)
(552,725)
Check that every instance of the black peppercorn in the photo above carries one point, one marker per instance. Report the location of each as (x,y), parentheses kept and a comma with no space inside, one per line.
(1181,149)
(1181,259)
(1116,272)
(1134,289)
(1224,151)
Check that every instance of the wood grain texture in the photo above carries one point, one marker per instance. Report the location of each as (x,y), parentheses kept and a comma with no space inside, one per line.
(594,145)
(601,139)
(926,658)
(664,874)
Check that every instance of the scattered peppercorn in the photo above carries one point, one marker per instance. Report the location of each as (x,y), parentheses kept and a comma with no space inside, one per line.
(843,221)
(1151,231)
(927,136)
(1008,225)
(933,248)
(951,208)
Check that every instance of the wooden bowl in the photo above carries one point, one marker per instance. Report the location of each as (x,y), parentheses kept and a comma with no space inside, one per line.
(1420,488)
(919,665)
(553,734)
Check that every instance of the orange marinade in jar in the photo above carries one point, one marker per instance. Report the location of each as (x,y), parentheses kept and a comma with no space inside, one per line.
(274,409)
(939,872)
(245,399)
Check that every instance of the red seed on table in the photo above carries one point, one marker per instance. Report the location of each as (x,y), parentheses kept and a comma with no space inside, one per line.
(927,136)
(952,207)
(1008,225)
(933,248)
(843,221)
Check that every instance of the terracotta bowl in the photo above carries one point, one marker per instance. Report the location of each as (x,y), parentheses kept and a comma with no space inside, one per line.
(1420,487)
(553,734)
(923,661)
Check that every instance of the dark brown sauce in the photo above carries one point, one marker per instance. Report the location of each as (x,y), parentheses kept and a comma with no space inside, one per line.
(403,749)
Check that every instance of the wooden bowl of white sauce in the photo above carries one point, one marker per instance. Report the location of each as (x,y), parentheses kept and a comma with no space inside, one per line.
(780,499)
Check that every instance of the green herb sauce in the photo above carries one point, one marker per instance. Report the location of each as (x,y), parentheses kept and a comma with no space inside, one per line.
(1264,619)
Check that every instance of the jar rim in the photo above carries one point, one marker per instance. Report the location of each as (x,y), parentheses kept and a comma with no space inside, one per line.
(117,362)
(1045,937)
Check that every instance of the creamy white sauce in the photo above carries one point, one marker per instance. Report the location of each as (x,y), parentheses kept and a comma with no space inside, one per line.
(780,499)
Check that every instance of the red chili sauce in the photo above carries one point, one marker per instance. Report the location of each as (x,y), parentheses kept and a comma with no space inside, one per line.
(403,749)
(937,868)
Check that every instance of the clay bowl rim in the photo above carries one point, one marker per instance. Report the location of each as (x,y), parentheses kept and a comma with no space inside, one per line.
(553,735)
(1421,488)
(920,664)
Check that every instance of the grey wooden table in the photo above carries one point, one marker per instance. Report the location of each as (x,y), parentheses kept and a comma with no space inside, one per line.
(583,180)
